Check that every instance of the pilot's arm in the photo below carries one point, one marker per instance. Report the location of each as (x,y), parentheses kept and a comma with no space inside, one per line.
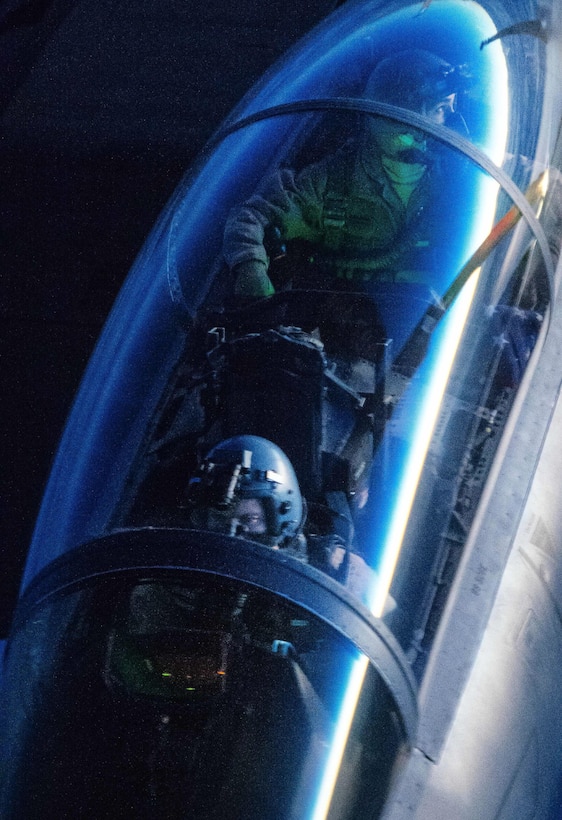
(292,204)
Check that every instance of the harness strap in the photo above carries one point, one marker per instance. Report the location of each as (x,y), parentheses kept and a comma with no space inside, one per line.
(334,215)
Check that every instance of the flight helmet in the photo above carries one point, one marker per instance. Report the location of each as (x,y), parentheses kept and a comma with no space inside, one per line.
(415,79)
(249,467)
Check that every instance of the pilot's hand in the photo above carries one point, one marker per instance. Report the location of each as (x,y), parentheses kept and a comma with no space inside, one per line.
(252,281)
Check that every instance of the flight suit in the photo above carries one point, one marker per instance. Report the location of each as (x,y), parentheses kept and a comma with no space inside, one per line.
(362,217)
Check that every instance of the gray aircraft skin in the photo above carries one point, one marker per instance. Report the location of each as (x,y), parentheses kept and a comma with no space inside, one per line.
(395,652)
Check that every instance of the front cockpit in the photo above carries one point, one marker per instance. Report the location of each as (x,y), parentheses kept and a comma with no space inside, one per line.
(263,495)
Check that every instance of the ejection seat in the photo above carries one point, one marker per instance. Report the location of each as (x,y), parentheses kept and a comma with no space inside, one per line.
(306,369)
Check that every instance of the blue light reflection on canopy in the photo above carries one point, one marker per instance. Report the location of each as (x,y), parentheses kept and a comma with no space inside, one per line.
(428,394)
(438,363)
(475,23)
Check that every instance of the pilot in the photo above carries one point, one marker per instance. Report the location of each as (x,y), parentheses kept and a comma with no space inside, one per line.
(365,209)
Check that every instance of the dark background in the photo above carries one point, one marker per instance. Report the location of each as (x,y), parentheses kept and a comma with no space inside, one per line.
(103,106)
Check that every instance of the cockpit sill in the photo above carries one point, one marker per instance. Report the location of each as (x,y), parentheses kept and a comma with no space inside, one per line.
(137,554)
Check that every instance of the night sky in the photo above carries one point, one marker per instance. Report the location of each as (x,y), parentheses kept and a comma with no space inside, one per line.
(104,104)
